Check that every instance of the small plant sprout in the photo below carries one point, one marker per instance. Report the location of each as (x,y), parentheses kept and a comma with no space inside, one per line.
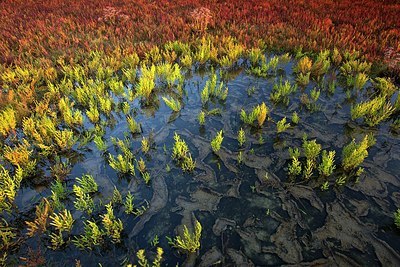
(180,153)
(295,118)
(240,157)
(354,153)
(311,149)
(146,177)
(133,126)
(216,142)
(327,163)
(145,145)
(325,186)
(294,167)
(128,204)
(282,125)
(116,196)
(202,117)
(113,227)
(397,218)
(189,242)
(173,104)
(143,262)
(308,169)
(87,183)
(241,137)
(100,144)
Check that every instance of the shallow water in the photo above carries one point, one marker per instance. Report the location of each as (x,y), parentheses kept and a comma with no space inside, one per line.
(247,219)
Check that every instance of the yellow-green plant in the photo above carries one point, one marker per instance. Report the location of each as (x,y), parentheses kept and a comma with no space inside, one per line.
(87,183)
(83,201)
(20,155)
(304,66)
(327,165)
(133,126)
(373,111)
(303,79)
(321,64)
(65,139)
(201,117)
(281,91)
(308,169)
(143,262)
(353,154)
(146,177)
(189,242)
(295,118)
(146,83)
(172,103)
(241,137)
(384,86)
(258,113)
(282,126)
(8,121)
(180,152)
(92,236)
(39,224)
(216,142)
(240,157)
(397,218)
(116,196)
(100,143)
(7,235)
(116,86)
(311,149)
(71,117)
(294,166)
(141,165)
(58,194)
(105,104)
(113,226)
(62,221)
(128,204)
(122,164)
(93,113)
(145,145)
(9,186)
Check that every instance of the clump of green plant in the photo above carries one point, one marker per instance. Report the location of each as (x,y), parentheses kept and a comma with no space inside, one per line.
(145,145)
(9,186)
(8,121)
(188,242)
(173,104)
(180,153)
(397,218)
(92,236)
(280,92)
(295,166)
(216,142)
(311,149)
(373,111)
(87,183)
(122,164)
(146,83)
(133,126)
(282,126)
(83,201)
(202,117)
(240,157)
(327,164)
(321,65)
(113,226)
(100,144)
(258,113)
(295,118)
(143,262)
(128,204)
(63,223)
(211,90)
(58,194)
(354,154)
(241,137)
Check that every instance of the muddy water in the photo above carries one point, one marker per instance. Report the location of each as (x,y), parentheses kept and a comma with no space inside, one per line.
(251,213)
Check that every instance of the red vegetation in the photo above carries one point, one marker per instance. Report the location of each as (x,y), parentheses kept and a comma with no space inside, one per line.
(52,28)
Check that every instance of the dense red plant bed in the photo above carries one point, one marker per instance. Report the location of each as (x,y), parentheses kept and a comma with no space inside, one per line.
(48,29)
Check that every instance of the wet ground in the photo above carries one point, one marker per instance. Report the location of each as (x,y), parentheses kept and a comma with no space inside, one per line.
(252,214)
